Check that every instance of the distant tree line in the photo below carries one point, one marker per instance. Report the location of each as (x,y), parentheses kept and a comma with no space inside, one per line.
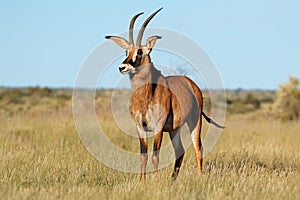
(284,103)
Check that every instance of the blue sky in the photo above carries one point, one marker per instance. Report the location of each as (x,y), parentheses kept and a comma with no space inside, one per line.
(254,44)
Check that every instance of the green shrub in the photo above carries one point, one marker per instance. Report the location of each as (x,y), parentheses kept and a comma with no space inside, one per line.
(243,105)
(250,99)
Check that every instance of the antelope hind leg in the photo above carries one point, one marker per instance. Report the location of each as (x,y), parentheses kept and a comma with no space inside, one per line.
(179,151)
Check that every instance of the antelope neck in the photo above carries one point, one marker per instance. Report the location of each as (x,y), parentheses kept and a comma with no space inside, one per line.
(147,75)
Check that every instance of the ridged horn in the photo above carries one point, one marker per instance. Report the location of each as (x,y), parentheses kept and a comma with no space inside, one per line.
(141,32)
(131,27)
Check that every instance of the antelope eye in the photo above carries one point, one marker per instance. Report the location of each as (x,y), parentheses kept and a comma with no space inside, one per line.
(140,52)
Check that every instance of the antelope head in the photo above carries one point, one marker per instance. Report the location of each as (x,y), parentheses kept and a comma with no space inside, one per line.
(136,54)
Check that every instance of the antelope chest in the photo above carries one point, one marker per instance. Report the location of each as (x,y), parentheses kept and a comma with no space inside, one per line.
(152,119)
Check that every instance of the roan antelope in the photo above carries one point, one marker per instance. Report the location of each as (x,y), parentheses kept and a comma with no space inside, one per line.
(160,104)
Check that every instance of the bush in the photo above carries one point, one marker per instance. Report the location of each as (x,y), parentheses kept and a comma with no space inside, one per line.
(287,100)
(250,99)
(239,105)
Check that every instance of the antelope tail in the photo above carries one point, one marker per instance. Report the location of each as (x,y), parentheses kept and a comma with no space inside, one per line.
(209,120)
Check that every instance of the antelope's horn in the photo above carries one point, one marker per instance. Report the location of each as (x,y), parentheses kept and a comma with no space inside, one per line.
(141,32)
(131,27)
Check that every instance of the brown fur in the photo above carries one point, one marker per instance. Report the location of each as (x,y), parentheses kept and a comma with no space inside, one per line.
(182,103)
(161,104)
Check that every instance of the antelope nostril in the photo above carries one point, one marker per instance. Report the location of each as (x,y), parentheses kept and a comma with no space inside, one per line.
(121,68)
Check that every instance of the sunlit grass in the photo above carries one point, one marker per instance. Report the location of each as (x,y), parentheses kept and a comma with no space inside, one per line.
(42,157)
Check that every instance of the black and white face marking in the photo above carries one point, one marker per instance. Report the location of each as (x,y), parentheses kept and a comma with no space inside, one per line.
(134,54)
(132,61)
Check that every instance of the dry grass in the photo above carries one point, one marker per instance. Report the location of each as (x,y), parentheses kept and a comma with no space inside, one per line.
(43,158)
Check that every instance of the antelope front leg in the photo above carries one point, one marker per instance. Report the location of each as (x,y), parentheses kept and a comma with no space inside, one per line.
(156,149)
(144,151)
(144,157)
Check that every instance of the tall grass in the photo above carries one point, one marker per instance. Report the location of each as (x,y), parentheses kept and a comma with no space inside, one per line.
(43,158)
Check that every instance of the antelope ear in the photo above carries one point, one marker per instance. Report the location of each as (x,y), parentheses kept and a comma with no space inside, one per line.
(123,43)
(152,40)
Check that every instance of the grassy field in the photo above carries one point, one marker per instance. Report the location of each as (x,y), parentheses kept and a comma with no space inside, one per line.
(42,157)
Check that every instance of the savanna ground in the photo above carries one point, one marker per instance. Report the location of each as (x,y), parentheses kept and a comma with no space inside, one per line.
(42,157)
